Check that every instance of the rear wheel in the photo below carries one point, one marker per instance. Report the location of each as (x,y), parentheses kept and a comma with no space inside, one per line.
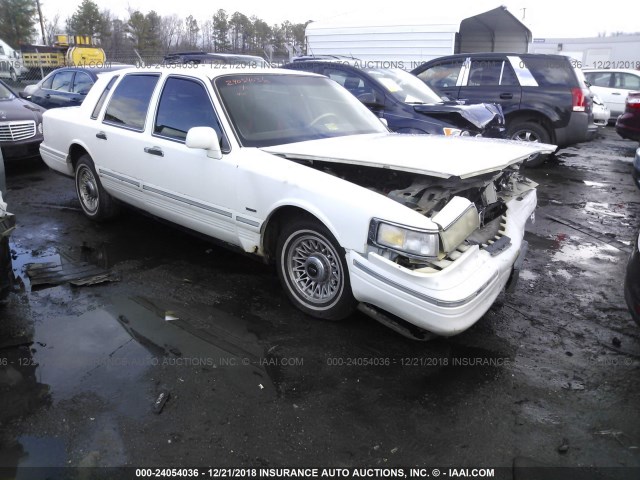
(530,132)
(313,270)
(96,203)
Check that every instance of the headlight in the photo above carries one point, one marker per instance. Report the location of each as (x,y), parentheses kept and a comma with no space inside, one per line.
(40,130)
(454,132)
(412,241)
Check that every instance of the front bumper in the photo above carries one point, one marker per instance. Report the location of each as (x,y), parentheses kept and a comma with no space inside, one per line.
(27,148)
(449,301)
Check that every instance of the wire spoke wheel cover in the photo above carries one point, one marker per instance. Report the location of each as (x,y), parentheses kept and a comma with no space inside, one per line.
(88,193)
(314,268)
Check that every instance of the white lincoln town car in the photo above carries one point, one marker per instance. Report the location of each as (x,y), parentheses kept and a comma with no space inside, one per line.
(420,232)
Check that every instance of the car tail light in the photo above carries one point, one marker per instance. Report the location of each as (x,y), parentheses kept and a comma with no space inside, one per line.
(579,99)
(633,101)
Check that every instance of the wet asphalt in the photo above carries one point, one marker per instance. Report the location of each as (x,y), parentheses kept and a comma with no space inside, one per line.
(190,355)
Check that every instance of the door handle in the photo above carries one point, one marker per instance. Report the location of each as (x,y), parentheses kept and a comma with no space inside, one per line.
(154,151)
(101,135)
(47,96)
(506,96)
(76,99)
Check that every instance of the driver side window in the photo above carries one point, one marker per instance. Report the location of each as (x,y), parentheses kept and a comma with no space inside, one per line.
(184,104)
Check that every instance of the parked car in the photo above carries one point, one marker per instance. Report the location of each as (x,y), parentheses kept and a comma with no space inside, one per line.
(20,125)
(423,231)
(541,96)
(197,58)
(66,86)
(7,224)
(628,124)
(601,113)
(613,86)
(407,104)
(632,282)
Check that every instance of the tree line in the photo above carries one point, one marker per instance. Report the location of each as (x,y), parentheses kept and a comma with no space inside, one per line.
(153,34)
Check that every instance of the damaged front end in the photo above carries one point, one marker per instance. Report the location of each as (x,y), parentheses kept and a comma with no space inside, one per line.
(482,119)
(471,211)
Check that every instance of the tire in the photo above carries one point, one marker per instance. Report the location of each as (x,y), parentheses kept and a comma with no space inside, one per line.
(96,203)
(530,132)
(313,271)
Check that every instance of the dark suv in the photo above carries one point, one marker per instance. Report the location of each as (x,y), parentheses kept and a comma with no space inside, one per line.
(197,58)
(407,104)
(541,96)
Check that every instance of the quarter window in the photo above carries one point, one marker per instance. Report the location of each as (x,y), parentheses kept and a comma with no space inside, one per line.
(103,96)
(130,101)
(184,104)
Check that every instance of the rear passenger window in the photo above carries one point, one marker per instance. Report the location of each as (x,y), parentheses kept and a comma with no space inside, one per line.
(626,81)
(82,83)
(130,101)
(62,82)
(491,73)
(184,104)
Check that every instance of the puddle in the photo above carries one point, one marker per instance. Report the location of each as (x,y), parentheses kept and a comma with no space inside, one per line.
(114,347)
(594,184)
(528,276)
(604,209)
(575,254)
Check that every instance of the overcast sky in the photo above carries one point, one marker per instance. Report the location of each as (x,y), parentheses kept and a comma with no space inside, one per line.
(545,18)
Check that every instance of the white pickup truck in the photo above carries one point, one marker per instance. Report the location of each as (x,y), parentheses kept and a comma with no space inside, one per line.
(421,232)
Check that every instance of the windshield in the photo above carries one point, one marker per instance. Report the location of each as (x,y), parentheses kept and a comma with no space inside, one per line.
(5,93)
(403,86)
(268,110)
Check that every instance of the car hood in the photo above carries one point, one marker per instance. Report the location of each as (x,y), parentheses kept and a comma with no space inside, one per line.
(17,109)
(432,155)
(480,115)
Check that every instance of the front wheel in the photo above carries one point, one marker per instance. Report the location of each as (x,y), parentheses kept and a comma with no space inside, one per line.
(530,132)
(96,203)
(313,271)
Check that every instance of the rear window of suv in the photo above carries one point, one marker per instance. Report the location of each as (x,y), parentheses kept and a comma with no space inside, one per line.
(551,72)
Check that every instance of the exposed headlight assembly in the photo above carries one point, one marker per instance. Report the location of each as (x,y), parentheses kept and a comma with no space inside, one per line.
(457,220)
(410,241)
(455,132)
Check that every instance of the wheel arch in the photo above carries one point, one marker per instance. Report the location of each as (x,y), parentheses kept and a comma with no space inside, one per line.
(520,116)
(76,151)
(275,222)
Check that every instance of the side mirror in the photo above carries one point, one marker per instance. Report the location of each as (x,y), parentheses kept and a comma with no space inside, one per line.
(24,95)
(204,138)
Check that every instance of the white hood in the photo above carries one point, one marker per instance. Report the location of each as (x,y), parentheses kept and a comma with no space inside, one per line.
(433,155)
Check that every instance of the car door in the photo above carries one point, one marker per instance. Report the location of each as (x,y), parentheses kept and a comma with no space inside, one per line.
(492,80)
(184,184)
(602,84)
(444,77)
(117,146)
(56,93)
(623,83)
